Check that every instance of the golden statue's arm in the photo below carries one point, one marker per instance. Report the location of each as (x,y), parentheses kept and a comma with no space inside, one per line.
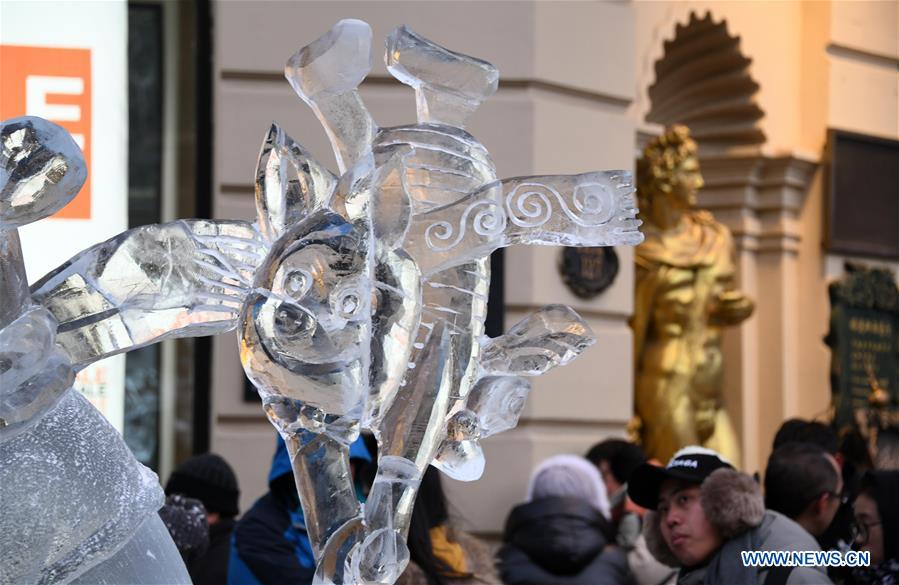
(731,307)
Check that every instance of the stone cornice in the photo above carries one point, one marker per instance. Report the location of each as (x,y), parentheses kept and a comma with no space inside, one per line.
(759,197)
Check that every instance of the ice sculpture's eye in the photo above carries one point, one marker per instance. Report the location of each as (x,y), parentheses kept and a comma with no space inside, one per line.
(293,321)
(348,304)
(297,282)
(347,300)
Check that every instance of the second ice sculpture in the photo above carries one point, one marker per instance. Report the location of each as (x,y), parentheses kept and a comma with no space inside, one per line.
(359,300)
(74,502)
(368,311)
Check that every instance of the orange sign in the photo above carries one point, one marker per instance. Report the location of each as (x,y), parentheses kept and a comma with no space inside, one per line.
(54,84)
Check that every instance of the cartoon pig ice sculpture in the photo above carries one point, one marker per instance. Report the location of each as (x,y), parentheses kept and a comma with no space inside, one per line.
(368,311)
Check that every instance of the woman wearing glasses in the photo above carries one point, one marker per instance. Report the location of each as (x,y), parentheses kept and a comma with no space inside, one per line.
(876,527)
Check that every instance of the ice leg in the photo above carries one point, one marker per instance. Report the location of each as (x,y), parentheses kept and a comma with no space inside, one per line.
(410,433)
(326,74)
(449,86)
(319,448)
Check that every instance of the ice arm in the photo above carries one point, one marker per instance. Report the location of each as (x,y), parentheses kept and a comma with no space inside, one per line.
(180,279)
(593,209)
(550,337)
(13,280)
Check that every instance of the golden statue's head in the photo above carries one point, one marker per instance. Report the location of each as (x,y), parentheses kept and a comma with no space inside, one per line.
(669,169)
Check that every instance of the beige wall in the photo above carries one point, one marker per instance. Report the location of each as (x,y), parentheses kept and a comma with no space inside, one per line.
(567,79)
(858,62)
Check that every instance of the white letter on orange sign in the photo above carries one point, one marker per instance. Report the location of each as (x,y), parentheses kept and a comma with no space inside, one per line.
(37,87)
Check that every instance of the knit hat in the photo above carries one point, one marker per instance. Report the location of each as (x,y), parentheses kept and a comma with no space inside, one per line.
(185,519)
(211,480)
(569,476)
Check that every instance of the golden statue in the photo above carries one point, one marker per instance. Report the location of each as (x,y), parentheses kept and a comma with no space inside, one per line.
(684,296)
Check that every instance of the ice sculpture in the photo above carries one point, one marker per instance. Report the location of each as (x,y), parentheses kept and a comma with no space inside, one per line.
(368,311)
(359,301)
(74,503)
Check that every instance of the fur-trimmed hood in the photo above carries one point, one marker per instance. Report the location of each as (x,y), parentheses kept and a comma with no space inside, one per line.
(732,502)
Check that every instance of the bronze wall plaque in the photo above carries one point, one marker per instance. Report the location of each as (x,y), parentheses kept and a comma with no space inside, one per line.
(588,271)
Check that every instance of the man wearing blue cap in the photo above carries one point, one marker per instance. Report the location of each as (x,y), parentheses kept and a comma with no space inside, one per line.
(270,543)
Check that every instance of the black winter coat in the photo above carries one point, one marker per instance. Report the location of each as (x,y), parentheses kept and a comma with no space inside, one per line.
(212,567)
(560,541)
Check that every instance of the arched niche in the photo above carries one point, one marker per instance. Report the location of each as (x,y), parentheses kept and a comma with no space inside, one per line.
(703,80)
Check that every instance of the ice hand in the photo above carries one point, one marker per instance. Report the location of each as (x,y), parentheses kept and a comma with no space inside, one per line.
(41,170)
(493,406)
(180,279)
(550,337)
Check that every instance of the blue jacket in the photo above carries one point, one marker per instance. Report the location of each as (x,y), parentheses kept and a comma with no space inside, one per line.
(270,543)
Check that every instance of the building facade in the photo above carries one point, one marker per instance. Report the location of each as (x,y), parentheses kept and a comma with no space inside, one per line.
(574,96)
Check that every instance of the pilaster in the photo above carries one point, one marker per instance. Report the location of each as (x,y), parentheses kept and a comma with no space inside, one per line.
(759,198)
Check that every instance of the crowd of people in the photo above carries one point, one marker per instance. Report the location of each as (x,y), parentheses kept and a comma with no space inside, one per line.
(610,516)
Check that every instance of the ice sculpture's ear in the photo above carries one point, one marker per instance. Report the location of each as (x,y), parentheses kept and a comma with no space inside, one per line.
(550,337)
(290,184)
(449,86)
(326,74)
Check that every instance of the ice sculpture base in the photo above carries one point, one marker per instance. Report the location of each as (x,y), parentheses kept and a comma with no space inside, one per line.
(149,557)
(72,494)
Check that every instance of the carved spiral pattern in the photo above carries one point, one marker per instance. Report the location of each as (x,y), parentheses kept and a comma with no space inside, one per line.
(530,205)
(487,220)
(595,200)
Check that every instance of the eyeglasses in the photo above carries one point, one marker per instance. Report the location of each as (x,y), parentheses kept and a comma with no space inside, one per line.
(843,496)
(860,531)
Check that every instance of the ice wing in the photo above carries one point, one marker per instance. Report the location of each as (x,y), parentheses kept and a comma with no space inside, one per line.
(187,278)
